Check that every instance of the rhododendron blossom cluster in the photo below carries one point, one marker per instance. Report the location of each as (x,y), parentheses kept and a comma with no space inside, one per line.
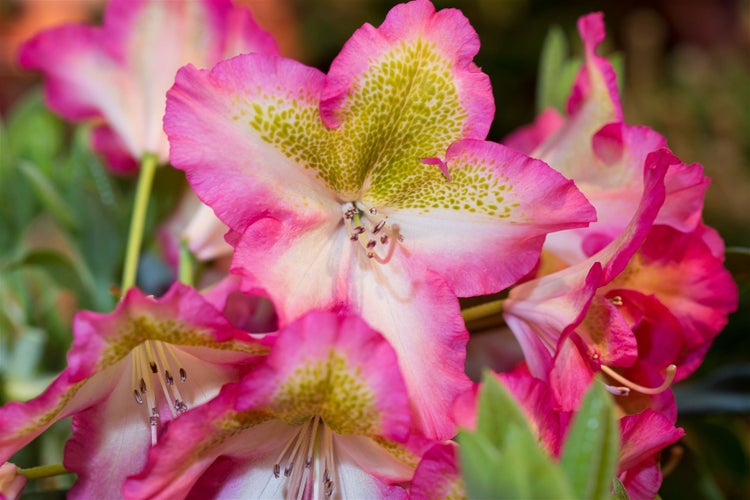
(361,204)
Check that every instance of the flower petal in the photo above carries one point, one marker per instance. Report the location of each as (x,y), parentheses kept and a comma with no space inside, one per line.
(499,203)
(106,72)
(249,136)
(416,58)
(438,475)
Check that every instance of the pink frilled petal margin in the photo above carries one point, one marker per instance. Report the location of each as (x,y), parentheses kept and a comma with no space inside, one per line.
(413,24)
(111,431)
(323,364)
(120,72)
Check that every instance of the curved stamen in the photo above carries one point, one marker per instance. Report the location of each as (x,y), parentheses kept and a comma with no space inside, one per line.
(371,231)
(153,364)
(629,384)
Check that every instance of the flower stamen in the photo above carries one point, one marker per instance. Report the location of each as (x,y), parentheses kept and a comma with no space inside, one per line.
(151,360)
(308,453)
(628,384)
(364,226)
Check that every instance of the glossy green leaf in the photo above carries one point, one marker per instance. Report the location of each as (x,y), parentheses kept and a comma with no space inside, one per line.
(589,455)
(502,458)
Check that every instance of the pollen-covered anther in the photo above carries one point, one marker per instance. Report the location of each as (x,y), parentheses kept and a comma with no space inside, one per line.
(153,365)
(374,234)
(307,460)
(616,300)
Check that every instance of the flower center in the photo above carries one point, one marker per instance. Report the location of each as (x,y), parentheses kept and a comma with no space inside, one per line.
(155,364)
(307,461)
(371,231)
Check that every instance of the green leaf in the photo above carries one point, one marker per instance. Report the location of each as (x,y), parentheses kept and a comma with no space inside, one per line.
(554,56)
(60,268)
(33,133)
(589,456)
(48,195)
(618,490)
(502,458)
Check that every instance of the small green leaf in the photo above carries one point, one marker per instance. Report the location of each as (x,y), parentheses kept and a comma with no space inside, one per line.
(503,458)
(553,58)
(589,456)
(618,490)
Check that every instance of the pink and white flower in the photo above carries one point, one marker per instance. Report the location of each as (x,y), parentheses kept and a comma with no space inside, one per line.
(129,373)
(118,74)
(370,188)
(645,284)
(325,414)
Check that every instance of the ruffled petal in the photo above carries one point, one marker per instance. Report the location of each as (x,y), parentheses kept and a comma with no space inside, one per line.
(498,203)
(249,137)
(438,475)
(411,77)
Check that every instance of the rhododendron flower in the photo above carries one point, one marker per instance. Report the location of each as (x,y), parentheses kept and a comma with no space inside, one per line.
(605,157)
(119,73)
(325,414)
(594,288)
(129,373)
(369,188)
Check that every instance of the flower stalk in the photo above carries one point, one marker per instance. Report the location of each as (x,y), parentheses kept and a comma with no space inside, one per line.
(43,471)
(149,163)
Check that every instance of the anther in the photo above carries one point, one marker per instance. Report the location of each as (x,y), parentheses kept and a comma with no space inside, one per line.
(378,227)
(277,471)
(371,244)
(373,211)
(179,406)
(154,419)
(138,397)
(384,239)
(143,386)
(168,377)
(616,300)
(183,374)
(152,365)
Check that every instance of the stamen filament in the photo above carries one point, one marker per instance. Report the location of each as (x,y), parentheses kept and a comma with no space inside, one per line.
(629,384)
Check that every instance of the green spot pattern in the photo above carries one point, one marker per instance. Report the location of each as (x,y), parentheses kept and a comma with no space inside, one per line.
(141,328)
(331,389)
(405,107)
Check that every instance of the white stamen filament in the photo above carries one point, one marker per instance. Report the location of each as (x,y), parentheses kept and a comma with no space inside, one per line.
(307,461)
(151,360)
(371,231)
(629,384)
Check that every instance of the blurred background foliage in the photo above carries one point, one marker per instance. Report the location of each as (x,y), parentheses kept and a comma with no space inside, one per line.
(63,216)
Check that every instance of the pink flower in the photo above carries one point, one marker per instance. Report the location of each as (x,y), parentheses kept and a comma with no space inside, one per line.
(438,475)
(369,188)
(326,413)
(129,373)
(645,284)
(119,74)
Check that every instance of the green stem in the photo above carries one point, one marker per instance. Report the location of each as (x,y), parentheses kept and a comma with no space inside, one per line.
(138,220)
(43,471)
(484,316)
(186,271)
